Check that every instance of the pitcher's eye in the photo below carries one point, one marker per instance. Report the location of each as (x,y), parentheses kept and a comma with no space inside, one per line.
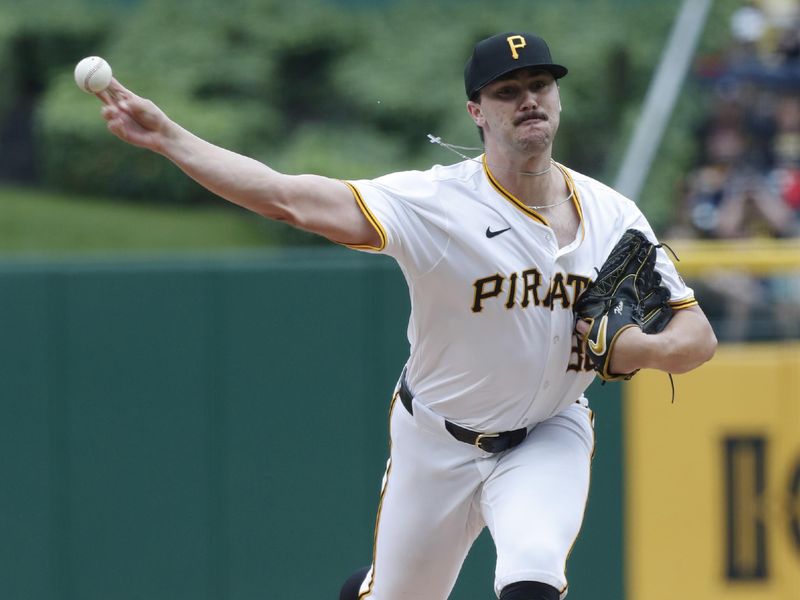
(507,91)
(539,85)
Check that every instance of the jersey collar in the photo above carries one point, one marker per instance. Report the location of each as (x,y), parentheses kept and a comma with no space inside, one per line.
(527,209)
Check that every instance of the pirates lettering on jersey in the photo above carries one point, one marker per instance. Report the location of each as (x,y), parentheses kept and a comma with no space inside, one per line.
(578,359)
(524,289)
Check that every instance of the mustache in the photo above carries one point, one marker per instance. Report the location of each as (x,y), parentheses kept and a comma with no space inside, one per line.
(533,114)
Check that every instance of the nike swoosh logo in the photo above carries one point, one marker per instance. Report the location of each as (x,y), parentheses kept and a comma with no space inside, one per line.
(490,234)
(599,345)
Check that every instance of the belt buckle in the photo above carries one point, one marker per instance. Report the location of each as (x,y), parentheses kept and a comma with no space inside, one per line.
(480,438)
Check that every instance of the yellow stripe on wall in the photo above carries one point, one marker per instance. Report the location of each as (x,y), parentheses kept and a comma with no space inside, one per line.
(753,255)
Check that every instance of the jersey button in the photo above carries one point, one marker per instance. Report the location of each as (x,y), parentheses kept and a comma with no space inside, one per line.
(545,385)
(556,339)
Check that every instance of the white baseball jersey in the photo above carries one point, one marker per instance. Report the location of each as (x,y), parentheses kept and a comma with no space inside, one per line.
(492,349)
(491,326)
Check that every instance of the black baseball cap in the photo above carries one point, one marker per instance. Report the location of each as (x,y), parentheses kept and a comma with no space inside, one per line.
(505,52)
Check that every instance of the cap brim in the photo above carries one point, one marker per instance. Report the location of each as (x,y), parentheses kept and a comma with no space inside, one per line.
(557,71)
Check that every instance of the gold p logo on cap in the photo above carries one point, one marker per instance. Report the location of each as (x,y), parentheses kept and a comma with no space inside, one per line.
(516,42)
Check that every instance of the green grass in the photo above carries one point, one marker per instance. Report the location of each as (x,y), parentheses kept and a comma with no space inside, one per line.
(32,220)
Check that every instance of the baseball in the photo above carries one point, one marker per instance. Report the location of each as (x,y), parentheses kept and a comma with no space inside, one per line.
(93,74)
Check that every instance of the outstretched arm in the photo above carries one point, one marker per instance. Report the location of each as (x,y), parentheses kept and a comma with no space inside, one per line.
(317,204)
(685,343)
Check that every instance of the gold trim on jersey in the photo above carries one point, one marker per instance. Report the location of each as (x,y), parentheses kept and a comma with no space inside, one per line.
(385,484)
(373,220)
(681,304)
(510,197)
(575,197)
(527,209)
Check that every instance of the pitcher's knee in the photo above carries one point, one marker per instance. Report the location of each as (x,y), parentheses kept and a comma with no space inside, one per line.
(533,558)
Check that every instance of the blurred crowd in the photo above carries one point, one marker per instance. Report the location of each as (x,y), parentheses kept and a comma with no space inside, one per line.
(747,180)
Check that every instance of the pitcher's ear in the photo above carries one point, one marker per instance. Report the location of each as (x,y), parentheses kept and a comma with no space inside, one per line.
(474,110)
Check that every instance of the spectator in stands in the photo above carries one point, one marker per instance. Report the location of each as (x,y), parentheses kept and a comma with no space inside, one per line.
(788,47)
(785,149)
(748,25)
(729,195)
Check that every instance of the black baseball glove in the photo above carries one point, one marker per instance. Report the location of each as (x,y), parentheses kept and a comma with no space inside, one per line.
(627,292)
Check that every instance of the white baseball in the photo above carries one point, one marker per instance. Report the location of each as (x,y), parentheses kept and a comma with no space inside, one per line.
(93,74)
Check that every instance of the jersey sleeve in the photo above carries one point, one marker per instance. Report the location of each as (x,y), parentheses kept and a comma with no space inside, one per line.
(407,211)
(681,295)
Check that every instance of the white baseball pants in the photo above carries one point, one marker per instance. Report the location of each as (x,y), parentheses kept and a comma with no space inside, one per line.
(439,493)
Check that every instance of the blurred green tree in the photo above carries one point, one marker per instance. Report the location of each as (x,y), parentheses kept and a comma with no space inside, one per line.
(346,89)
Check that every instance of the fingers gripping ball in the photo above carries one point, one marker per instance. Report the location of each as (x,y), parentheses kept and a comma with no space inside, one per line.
(626,293)
(93,74)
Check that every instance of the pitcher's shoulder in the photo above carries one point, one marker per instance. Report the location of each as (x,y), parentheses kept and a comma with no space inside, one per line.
(464,172)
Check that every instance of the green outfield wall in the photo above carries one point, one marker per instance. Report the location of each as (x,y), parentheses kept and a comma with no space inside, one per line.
(214,427)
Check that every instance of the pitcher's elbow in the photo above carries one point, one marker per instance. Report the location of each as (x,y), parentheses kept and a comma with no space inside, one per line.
(702,352)
(279,207)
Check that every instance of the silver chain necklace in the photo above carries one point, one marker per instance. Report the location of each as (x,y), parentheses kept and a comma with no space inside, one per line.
(455,149)
(559,203)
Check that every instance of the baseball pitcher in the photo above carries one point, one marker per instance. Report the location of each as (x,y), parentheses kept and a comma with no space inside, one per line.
(489,423)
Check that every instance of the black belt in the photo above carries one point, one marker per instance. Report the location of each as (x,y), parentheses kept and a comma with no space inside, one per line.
(488,442)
